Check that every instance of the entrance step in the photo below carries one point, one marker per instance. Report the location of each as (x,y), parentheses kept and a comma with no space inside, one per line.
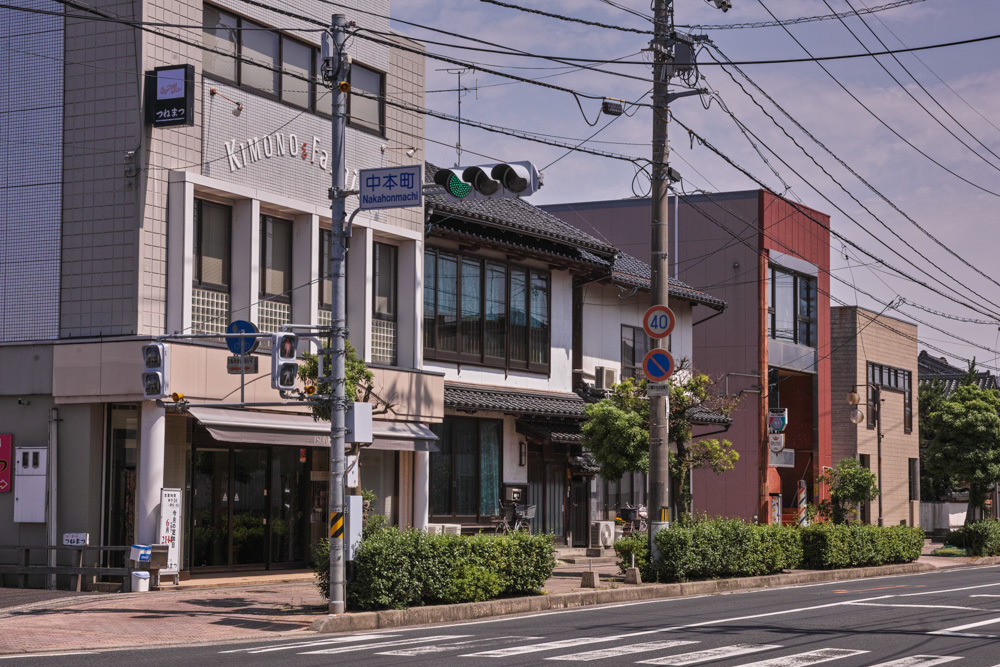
(586,560)
(102,587)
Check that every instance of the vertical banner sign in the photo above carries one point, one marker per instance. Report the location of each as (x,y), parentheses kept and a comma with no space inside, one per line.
(5,450)
(169,530)
(170,96)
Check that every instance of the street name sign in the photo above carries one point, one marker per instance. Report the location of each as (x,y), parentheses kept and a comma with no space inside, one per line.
(658,322)
(390,187)
(657,365)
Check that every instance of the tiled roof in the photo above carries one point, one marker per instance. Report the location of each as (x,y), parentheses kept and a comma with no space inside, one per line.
(930,369)
(556,431)
(514,213)
(628,270)
(512,401)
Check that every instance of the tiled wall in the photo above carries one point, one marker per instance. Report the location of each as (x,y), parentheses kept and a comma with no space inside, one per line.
(31,101)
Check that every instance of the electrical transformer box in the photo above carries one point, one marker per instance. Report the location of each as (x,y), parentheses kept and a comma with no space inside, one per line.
(30,474)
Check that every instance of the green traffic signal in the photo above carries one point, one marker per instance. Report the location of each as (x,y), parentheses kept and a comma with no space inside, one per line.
(455,186)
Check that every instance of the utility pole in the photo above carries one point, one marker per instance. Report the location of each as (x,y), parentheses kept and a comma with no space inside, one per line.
(659,415)
(338,323)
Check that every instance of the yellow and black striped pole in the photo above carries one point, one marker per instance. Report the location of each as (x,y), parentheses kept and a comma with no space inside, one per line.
(337,524)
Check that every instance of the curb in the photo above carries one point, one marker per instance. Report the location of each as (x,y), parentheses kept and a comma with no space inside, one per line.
(448,613)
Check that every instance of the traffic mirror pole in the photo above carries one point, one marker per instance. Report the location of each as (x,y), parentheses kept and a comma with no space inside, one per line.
(338,324)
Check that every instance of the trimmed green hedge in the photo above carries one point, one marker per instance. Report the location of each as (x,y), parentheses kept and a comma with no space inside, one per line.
(723,548)
(396,569)
(981,538)
(826,546)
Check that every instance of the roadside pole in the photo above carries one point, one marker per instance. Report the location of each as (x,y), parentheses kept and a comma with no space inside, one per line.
(338,324)
(659,453)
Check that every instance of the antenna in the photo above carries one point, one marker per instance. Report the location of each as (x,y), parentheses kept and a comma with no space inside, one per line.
(460,90)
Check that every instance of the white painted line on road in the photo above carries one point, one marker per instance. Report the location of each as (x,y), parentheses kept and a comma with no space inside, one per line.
(545,646)
(807,658)
(985,595)
(365,647)
(601,654)
(919,661)
(319,642)
(451,646)
(22,656)
(948,590)
(718,653)
(913,606)
(957,630)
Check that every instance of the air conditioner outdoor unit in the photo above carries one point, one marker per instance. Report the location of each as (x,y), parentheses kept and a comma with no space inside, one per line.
(434,528)
(451,528)
(602,534)
(604,377)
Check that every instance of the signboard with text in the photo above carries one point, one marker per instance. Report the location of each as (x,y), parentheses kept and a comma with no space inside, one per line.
(170,96)
(777,419)
(658,322)
(391,187)
(5,453)
(169,530)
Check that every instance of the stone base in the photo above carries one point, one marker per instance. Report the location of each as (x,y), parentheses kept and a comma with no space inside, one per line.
(632,575)
(589,580)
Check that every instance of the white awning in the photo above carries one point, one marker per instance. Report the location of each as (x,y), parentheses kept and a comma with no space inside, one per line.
(271,428)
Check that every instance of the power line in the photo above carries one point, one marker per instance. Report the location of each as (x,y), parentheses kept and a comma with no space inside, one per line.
(567,18)
(804,19)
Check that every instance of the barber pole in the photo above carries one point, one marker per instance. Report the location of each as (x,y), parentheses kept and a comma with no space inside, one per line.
(800,499)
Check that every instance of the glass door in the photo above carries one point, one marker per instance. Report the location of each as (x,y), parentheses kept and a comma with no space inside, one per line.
(210,504)
(249,507)
(289,477)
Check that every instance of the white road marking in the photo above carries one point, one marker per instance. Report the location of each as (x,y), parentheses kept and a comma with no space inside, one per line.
(807,658)
(985,595)
(601,654)
(913,606)
(948,590)
(319,642)
(442,648)
(365,647)
(545,646)
(718,653)
(21,656)
(957,630)
(919,661)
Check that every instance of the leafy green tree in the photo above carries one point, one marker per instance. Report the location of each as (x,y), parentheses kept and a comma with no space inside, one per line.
(617,432)
(358,385)
(934,478)
(966,442)
(850,484)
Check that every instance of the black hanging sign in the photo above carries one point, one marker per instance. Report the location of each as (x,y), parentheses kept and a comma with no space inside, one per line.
(170,96)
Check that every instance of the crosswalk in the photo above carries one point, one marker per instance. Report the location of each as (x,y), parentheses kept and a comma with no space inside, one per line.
(678,651)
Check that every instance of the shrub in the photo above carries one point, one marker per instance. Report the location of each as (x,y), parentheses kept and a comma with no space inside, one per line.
(635,544)
(826,546)
(714,548)
(981,538)
(395,569)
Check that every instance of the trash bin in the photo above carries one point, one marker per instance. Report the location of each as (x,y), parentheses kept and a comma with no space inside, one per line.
(140,553)
(140,582)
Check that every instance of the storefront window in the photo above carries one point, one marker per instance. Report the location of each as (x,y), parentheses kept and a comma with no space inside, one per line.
(465,471)
(123,440)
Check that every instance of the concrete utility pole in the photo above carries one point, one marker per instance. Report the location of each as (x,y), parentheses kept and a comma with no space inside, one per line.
(659,457)
(338,324)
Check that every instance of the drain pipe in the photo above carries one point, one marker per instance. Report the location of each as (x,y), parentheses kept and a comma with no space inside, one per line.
(53,471)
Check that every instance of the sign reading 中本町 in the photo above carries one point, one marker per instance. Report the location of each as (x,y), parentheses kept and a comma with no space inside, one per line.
(169,528)
(391,187)
(170,96)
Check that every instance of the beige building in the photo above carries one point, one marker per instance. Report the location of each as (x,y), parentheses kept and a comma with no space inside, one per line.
(119,231)
(874,354)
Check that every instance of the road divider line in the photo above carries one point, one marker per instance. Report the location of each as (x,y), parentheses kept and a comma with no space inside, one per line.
(957,630)
(915,606)
(628,649)
(708,655)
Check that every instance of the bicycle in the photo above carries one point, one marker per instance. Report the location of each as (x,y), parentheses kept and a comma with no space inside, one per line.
(634,518)
(514,517)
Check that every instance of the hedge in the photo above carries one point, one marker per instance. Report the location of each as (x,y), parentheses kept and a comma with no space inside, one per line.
(981,538)
(826,546)
(722,548)
(396,569)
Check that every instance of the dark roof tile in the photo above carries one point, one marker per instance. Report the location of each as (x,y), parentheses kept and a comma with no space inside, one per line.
(512,401)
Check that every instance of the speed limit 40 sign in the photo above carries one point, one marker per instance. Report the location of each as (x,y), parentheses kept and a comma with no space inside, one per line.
(658,322)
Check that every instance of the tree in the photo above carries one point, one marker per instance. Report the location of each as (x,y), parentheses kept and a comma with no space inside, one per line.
(357,387)
(966,442)
(934,479)
(850,484)
(617,432)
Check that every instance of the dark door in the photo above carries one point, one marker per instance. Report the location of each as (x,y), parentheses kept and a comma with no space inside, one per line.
(248,501)
(210,494)
(579,511)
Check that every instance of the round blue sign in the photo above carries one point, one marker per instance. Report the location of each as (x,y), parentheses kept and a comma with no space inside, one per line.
(242,345)
(657,365)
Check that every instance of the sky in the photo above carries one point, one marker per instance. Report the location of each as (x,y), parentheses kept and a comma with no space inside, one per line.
(951,123)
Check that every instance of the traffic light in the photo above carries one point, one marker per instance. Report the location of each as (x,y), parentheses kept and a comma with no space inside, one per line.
(155,380)
(488,181)
(284,362)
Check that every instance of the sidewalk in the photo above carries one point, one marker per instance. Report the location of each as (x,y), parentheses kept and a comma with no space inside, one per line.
(213,609)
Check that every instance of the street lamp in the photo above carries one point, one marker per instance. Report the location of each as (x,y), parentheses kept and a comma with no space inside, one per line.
(857,416)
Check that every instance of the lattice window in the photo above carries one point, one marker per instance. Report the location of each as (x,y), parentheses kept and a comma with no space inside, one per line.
(209,311)
(384,342)
(271,315)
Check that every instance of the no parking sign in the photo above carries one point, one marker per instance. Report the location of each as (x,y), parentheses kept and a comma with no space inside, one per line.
(657,365)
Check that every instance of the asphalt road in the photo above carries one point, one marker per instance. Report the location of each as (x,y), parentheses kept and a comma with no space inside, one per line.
(907,621)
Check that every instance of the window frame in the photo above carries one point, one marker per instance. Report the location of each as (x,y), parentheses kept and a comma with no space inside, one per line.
(380,101)
(285,296)
(896,380)
(198,257)
(452,424)
(481,358)
(633,369)
(797,318)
